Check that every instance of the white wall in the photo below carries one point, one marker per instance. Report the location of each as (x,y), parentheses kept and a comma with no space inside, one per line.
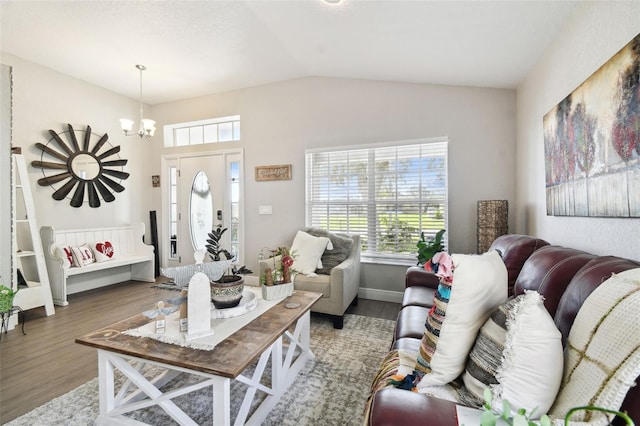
(593,35)
(281,120)
(44,99)
(5,176)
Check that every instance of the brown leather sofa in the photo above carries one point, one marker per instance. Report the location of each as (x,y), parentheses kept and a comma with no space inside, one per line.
(564,276)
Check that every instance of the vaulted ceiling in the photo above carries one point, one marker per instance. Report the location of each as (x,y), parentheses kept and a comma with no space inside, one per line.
(193,48)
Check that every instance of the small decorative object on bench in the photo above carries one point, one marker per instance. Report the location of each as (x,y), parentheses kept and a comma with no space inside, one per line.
(120,253)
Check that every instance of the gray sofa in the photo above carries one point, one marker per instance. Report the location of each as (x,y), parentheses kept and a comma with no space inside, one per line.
(339,289)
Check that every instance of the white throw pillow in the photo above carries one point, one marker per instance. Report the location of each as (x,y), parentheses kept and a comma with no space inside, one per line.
(479,286)
(603,348)
(103,251)
(66,254)
(307,251)
(518,354)
(82,255)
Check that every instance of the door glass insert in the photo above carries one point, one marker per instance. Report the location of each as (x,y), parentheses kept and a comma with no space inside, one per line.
(173,212)
(200,210)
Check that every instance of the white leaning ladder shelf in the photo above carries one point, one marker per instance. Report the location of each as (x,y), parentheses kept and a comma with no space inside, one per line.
(28,255)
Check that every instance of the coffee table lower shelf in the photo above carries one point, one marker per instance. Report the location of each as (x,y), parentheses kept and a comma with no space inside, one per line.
(288,355)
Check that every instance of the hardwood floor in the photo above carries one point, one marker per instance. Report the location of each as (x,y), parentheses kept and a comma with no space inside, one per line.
(47,363)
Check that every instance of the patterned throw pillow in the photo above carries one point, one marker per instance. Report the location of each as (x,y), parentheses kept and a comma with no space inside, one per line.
(82,255)
(518,354)
(66,255)
(103,251)
(603,349)
(461,306)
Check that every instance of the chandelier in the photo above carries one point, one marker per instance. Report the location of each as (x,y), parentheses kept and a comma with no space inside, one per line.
(147,127)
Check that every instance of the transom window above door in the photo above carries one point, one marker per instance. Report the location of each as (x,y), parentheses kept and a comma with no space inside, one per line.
(212,130)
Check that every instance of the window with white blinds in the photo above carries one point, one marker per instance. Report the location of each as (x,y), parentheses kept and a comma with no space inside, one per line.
(388,194)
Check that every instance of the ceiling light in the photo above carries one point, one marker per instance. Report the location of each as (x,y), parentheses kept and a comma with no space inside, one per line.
(147,127)
(333,1)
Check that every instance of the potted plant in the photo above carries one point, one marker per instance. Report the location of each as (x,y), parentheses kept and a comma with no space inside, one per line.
(214,245)
(491,415)
(427,248)
(6,298)
(278,282)
(226,292)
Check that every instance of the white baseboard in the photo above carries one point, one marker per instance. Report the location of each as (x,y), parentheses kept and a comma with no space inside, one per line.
(382,295)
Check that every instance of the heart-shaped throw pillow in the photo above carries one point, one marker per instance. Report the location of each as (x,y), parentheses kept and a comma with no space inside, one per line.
(104,251)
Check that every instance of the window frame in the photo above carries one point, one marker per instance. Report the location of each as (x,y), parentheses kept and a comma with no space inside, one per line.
(194,131)
(372,202)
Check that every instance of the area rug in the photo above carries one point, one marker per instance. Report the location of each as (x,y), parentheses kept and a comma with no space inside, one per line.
(330,390)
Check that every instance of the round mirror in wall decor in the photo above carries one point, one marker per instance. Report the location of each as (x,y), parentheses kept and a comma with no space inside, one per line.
(73,170)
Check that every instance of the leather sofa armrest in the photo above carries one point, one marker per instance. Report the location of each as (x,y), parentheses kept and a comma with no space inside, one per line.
(417,276)
(392,406)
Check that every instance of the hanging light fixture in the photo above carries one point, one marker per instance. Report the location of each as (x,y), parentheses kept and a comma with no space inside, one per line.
(147,126)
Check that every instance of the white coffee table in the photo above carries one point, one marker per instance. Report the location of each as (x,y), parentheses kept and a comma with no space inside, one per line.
(266,338)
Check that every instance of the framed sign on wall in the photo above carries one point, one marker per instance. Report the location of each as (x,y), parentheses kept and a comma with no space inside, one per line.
(279,172)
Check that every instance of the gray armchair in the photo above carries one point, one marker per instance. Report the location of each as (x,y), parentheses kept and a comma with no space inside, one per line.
(339,289)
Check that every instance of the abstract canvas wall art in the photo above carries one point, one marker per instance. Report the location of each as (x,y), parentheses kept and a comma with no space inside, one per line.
(592,143)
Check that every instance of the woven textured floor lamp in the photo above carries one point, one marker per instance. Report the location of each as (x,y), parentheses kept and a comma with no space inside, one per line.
(493,221)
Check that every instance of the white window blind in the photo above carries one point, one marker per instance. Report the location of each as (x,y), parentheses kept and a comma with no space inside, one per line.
(388,194)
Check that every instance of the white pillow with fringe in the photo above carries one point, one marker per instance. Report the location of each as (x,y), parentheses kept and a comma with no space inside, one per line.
(518,354)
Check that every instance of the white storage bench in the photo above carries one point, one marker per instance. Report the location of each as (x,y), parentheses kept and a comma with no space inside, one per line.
(133,260)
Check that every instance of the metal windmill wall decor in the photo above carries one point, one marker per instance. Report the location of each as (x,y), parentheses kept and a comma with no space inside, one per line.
(83,167)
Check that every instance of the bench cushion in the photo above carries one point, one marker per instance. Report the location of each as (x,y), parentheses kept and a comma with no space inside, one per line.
(318,283)
(121,261)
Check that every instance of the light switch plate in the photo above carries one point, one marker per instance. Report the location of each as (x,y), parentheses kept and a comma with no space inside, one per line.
(265,210)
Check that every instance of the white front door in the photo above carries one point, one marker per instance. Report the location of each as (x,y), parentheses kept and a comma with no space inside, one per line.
(202,202)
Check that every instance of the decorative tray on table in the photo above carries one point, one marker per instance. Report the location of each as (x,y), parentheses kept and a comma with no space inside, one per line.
(248,303)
